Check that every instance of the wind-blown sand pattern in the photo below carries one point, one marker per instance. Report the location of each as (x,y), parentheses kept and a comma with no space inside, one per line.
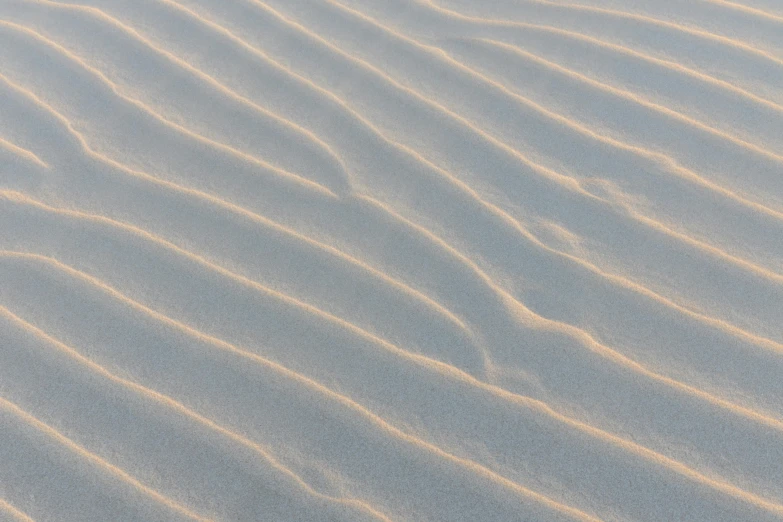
(391,260)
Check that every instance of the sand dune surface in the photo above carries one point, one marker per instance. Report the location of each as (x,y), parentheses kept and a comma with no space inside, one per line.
(391,260)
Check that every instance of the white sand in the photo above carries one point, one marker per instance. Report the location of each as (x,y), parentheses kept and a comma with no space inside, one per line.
(476,260)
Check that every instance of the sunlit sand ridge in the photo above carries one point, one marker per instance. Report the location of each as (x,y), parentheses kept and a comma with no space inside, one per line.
(508,260)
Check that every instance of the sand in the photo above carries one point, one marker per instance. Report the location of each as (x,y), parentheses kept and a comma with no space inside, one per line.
(391,260)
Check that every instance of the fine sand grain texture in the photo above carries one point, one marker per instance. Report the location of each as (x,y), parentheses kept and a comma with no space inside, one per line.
(391,260)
